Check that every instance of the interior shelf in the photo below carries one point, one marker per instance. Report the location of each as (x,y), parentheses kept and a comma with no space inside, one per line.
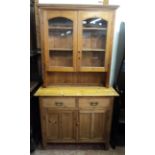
(69,28)
(60,28)
(69,49)
(61,49)
(94,28)
(95,50)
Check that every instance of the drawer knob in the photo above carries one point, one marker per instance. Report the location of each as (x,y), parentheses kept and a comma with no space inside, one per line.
(59,103)
(93,103)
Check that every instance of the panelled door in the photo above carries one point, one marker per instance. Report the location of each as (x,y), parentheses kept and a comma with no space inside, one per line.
(52,125)
(61,125)
(60,40)
(68,125)
(92,125)
(94,31)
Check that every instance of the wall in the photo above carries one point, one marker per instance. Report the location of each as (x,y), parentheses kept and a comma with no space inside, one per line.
(119,39)
(118,52)
(118,43)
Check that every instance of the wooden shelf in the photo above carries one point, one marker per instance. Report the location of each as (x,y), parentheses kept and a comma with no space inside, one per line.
(68,49)
(60,69)
(94,28)
(61,49)
(92,69)
(60,28)
(95,50)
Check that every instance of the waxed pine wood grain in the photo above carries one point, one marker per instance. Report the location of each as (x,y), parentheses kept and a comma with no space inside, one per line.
(71,15)
(81,124)
(75,107)
(76,91)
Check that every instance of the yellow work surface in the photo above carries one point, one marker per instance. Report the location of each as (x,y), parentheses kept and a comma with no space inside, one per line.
(75,91)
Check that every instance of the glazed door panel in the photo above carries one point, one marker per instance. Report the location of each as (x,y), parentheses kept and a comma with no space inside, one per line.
(60,40)
(93,37)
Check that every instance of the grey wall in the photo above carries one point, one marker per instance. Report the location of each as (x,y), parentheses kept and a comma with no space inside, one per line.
(118,51)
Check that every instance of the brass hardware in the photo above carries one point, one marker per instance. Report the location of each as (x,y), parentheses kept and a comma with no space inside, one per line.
(93,103)
(59,103)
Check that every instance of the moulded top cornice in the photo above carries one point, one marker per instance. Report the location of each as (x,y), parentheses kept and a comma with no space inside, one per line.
(77,7)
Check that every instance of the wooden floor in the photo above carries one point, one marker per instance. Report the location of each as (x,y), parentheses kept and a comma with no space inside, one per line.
(79,150)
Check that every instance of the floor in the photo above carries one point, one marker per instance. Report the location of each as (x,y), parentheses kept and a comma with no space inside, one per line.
(78,150)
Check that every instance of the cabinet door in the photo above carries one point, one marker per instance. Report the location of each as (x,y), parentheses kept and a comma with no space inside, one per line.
(93,41)
(60,40)
(60,125)
(68,126)
(92,125)
(52,125)
(85,123)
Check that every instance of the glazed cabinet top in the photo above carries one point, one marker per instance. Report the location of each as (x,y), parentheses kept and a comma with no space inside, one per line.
(76,39)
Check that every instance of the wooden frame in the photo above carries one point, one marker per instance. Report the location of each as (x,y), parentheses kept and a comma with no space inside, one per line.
(69,15)
(71,113)
(82,15)
(96,113)
(76,13)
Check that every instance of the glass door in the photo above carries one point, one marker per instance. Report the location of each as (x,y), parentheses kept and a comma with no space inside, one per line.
(61,38)
(92,42)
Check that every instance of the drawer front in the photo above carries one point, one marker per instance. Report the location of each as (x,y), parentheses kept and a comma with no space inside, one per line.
(58,102)
(88,102)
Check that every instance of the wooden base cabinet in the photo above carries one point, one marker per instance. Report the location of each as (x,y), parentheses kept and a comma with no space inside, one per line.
(76,119)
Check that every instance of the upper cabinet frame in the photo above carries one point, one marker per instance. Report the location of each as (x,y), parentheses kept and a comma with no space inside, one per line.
(77,60)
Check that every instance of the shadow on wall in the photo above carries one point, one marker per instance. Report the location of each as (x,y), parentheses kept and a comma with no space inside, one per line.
(120,53)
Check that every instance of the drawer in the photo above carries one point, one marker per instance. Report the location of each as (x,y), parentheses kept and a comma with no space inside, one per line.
(58,102)
(98,102)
